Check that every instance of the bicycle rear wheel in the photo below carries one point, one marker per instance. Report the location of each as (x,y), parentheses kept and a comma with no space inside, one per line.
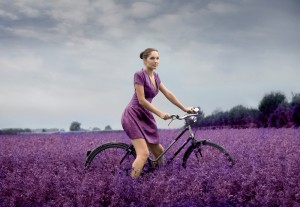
(111,158)
(206,153)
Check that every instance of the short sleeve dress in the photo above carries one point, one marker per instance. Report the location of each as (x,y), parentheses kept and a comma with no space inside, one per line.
(137,121)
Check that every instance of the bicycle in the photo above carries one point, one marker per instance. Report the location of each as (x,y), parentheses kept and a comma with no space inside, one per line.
(115,156)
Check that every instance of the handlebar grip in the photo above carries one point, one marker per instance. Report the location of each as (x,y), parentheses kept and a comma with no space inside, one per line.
(174,116)
(196,109)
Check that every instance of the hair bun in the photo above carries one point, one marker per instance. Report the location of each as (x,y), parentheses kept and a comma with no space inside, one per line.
(142,55)
(145,54)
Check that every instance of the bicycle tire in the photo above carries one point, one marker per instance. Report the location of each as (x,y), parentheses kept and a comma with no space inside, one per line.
(214,152)
(111,157)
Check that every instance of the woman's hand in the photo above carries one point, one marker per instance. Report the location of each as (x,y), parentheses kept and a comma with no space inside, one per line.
(189,110)
(165,116)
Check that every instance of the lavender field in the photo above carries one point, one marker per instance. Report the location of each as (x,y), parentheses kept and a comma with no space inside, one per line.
(48,170)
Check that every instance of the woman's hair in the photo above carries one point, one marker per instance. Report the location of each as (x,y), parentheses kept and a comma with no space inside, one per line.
(145,54)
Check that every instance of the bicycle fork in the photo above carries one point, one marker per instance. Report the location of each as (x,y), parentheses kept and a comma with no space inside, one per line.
(129,150)
(198,151)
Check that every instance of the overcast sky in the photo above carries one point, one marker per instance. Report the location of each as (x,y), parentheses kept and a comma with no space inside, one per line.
(67,60)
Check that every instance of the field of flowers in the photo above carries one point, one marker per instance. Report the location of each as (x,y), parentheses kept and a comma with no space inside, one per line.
(48,170)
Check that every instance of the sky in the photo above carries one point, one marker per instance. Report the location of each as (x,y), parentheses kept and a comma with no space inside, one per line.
(69,60)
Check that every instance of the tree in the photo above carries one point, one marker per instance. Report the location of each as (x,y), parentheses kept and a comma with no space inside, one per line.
(216,119)
(238,115)
(15,131)
(296,115)
(107,128)
(96,129)
(295,99)
(281,117)
(295,106)
(269,104)
(75,126)
(253,118)
(220,118)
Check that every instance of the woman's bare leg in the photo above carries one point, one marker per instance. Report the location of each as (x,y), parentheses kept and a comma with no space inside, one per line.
(156,150)
(142,154)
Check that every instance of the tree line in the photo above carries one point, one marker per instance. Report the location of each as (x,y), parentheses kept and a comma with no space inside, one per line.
(75,126)
(273,111)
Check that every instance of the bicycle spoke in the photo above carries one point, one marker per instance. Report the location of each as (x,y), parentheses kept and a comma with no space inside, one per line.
(211,155)
(112,160)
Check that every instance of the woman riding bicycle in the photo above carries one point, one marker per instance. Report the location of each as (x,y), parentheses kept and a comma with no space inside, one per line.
(137,120)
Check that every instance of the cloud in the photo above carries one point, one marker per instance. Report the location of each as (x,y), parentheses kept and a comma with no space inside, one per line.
(221,7)
(142,10)
(12,64)
(8,15)
(68,60)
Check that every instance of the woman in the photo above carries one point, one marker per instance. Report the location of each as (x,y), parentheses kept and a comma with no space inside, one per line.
(137,119)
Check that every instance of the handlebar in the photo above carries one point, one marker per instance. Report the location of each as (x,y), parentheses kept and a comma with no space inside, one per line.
(196,111)
(173,116)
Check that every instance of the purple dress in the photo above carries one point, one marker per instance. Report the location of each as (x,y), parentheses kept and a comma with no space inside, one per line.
(137,121)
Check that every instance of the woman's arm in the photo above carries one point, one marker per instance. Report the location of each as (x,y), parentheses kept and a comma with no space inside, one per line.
(171,97)
(145,103)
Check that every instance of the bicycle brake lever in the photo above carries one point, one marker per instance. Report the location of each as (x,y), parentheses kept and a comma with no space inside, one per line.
(173,117)
(171,122)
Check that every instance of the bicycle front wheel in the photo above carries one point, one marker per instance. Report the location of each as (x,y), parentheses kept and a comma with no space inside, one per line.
(206,153)
(111,158)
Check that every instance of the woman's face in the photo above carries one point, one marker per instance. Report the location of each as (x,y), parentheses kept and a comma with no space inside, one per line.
(152,60)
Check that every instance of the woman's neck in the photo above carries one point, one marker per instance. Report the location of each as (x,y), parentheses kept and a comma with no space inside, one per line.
(149,71)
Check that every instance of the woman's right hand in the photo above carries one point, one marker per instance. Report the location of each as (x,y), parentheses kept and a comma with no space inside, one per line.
(165,116)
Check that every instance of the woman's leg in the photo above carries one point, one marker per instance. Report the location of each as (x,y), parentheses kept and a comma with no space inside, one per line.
(156,150)
(142,154)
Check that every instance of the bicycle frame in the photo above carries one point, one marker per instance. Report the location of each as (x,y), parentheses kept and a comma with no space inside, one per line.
(191,138)
(194,145)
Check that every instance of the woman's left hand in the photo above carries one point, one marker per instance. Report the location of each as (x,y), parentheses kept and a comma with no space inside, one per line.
(189,110)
